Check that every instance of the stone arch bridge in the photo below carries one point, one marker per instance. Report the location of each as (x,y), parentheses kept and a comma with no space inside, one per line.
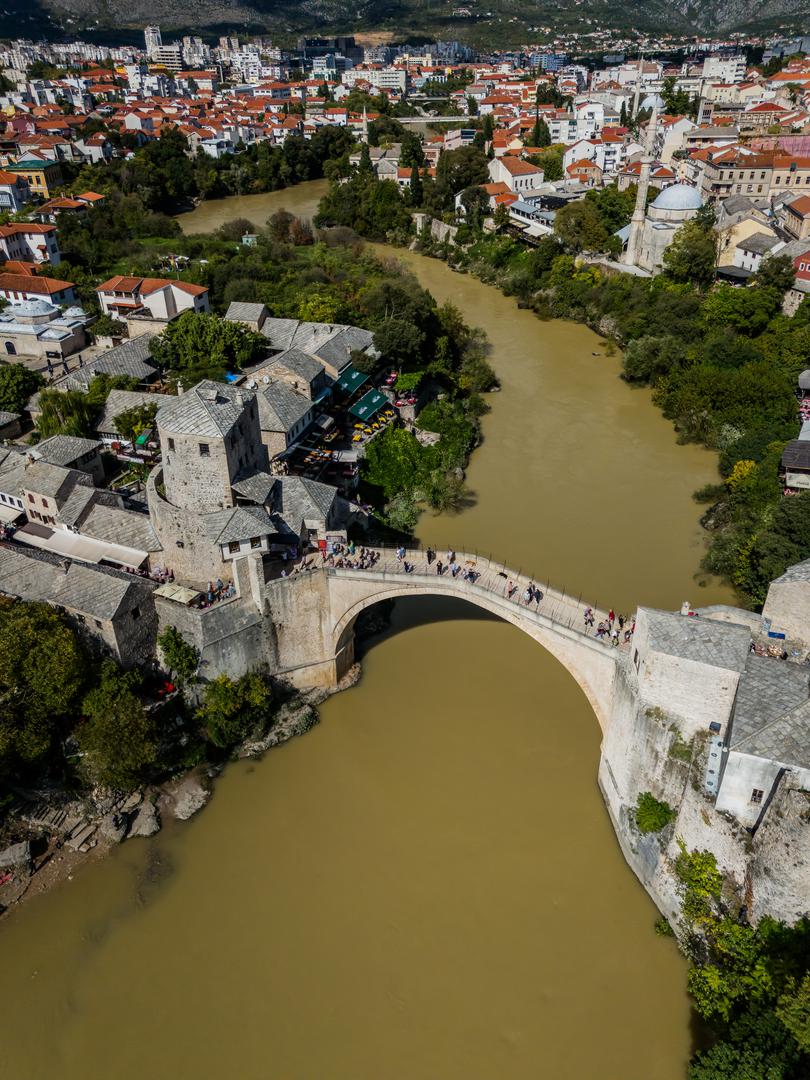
(314,615)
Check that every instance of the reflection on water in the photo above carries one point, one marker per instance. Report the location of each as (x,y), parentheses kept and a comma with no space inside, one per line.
(427,884)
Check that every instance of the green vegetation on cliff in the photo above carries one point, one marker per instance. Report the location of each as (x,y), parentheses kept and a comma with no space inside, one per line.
(750,984)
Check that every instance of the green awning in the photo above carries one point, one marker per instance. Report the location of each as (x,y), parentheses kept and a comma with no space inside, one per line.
(351,380)
(369,405)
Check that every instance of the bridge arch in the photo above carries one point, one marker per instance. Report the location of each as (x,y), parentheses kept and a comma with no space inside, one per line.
(591,663)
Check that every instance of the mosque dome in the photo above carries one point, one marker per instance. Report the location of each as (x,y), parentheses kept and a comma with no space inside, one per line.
(678,197)
(75,313)
(31,309)
(652,100)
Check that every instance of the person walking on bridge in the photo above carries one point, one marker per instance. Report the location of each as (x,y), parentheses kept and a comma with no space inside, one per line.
(430,554)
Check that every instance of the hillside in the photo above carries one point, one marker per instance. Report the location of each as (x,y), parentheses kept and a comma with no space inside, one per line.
(497,23)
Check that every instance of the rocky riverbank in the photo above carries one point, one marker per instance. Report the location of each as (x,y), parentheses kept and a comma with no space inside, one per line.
(54,838)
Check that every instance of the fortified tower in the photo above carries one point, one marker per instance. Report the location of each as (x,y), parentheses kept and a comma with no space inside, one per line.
(208,436)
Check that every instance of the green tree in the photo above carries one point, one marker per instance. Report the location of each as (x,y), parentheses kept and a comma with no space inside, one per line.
(106,326)
(117,738)
(399,341)
(180,657)
(135,421)
(393,462)
(456,171)
(676,102)
(776,272)
(579,226)
(195,347)
(794,1010)
(64,413)
(416,187)
(550,161)
(17,384)
(746,310)
(692,255)
(541,136)
(500,218)
(233,709)
(42,669)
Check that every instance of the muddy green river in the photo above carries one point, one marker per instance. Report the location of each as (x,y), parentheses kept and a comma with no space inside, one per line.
(426,886)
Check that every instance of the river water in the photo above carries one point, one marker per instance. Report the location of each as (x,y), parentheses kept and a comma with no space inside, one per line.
(426,886)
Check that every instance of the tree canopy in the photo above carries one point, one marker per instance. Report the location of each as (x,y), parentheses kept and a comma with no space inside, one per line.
(194,347)
(42,669)
(17,384)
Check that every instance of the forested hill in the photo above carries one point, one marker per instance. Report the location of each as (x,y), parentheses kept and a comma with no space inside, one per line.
(500,22)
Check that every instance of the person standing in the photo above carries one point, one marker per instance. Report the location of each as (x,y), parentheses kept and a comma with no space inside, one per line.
(611,617)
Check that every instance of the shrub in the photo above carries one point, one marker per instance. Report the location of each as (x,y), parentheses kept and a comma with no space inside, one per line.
(651,815)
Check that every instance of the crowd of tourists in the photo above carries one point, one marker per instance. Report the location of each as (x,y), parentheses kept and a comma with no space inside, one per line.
(614,629)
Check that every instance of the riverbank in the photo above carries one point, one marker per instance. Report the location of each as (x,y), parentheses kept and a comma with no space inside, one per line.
(64,839)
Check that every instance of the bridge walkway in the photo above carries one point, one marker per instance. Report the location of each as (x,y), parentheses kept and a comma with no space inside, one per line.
(492,578)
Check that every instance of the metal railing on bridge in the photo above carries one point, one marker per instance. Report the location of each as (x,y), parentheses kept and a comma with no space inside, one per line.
(488,575)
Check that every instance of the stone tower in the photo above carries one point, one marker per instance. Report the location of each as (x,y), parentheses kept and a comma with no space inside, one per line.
(209,436)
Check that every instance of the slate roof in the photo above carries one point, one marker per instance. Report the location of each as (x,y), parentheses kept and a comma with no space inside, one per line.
(300,363)
(116,526)
(297,500)
(758,243)
(132,358)
(785,739)
(8,417)
(256,486)
(64,449)
(52,481)
(73,508)
(239,311)
(704,641)
(797,572)
(237,523)
(78,588)
(207,409)
(768,690)
(796,454)
(119,401)
(280,332)
(281,408)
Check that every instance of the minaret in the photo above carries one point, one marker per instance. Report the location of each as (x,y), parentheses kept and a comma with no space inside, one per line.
(364,136)
(639,214)
(637,94)
(633,251)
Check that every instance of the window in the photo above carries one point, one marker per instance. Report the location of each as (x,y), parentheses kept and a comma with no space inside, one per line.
(204,450)
(45,503)
(30,497)
(756,796)
(136,613)
(233,547)
(255,541)
(171,444)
